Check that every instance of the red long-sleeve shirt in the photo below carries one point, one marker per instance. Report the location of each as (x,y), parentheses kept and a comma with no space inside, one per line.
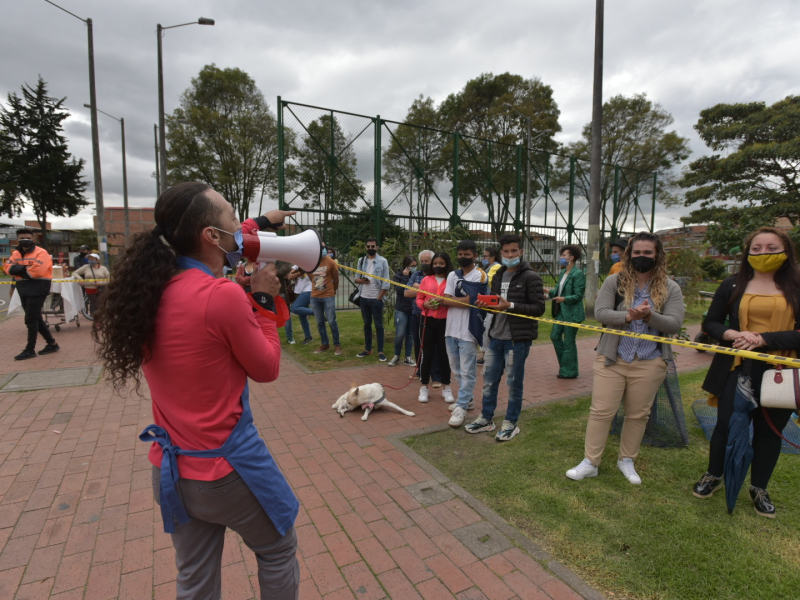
(207,342)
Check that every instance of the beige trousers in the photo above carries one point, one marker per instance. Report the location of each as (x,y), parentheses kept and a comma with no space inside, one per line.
(634,385)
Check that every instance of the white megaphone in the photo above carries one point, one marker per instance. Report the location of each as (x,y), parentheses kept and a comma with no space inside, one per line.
(303,249)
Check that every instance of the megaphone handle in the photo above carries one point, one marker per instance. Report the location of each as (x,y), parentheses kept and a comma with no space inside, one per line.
(281,314)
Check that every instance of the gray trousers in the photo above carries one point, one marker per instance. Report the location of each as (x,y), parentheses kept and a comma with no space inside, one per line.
(213,507)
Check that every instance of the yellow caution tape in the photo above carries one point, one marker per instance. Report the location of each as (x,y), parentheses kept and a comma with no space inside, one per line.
(56,281)
(783,360)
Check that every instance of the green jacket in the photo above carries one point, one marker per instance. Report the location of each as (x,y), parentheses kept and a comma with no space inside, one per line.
(571,309)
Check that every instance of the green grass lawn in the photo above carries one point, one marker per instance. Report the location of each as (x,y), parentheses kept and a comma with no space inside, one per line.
(654,541)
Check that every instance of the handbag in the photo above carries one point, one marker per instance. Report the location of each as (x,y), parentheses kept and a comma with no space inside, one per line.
(355,295)
(780,388)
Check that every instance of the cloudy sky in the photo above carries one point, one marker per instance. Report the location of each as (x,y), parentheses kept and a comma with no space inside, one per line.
(374,57)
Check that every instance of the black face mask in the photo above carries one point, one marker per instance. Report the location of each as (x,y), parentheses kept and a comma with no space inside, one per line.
(425,268)
(643,264)
(464,262)
(25,245)
(372,251)
(440,270)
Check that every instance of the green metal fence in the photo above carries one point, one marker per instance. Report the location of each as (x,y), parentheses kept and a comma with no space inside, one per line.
(352,176)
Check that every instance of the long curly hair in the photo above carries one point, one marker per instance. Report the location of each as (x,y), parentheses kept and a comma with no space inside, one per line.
(787,278)
(124,324)
(658,279)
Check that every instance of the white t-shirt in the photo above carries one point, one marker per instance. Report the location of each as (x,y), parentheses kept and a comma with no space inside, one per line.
(458,317)
(373,288)
(302,283)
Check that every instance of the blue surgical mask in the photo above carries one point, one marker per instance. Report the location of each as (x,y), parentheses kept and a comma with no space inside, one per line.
(235,256)
(485,263)
(511,262)
(615,258)
(563,261)
(324,252)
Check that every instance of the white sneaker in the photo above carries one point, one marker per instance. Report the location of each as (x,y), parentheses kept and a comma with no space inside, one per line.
(583,470)
(447,394)
(626,466)
(423,394)
(470,405)
(459,414)
(394,361)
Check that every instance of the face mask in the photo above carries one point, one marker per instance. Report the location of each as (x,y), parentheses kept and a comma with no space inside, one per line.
(439,270)
(511,262)
(563,261)
(93,263)
(372,251)
(324,252)
(643,264)
(464,262)
(485,263)
(426,268)
(26,244)
(615,258)
(235,256)
(767,263)
(412,269)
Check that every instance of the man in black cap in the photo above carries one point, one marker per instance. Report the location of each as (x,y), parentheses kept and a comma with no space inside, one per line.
(617,249)
(82,258)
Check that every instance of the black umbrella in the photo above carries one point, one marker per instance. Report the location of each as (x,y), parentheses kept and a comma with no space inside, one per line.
(739,451)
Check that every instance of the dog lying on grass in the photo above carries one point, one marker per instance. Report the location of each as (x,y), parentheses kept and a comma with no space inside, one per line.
(368,397)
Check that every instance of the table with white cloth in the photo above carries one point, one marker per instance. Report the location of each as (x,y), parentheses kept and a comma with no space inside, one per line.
(70,292)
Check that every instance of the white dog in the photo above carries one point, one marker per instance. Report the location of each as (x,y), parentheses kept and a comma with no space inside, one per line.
(368,397)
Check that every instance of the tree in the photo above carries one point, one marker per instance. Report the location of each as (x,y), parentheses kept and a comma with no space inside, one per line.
(36,168)
(225,135)
(685,265)
(715,268)
(326,169)
(635,138)
(753,177)
(488,170)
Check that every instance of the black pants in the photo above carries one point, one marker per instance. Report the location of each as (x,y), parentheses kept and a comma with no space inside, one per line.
(433,347)
(32,305)
(766,445)
(416,332)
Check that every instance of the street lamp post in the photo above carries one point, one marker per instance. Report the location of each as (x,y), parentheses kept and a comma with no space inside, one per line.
(124,172)
(161,125)
(158,169)
(98,179)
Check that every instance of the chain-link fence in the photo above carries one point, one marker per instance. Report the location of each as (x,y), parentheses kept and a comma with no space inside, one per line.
(354,176)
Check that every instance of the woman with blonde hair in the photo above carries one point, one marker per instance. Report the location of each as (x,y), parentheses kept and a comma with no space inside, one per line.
(759,308)
(641,299)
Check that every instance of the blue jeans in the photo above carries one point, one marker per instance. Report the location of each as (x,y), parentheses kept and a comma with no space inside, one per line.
(325,308)
(496,360)
(372,310)
(463,356)
(402,324)
(300,308)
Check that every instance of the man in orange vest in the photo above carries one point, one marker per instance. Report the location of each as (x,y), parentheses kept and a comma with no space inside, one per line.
(32,267)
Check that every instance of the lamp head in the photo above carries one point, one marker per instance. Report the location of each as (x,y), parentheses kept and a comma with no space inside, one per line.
(204,21)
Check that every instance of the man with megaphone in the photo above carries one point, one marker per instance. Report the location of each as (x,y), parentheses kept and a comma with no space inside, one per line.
(197,337)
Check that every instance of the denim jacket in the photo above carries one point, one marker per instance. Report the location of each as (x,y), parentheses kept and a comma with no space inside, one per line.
(381,270)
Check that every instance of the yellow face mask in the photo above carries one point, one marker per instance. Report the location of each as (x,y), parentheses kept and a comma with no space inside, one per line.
(767,263)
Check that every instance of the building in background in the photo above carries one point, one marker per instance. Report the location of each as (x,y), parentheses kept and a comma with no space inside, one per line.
(141,219)
(58,240)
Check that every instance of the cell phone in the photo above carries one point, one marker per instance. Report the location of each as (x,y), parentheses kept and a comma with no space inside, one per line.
(489,300)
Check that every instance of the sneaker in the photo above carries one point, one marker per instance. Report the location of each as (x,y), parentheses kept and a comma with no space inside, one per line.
(447,394)
(707,485)
(307,341)
(49,349)
(292,342)
(762,503)
(470,405)
(323,348)
(436,384)
(423,394)
(459,414)
(410,362)
(480,425)
(414,375)
(337,350)
(363,353)
(507,431)
(26,354)
(582,471)
(381,357)
(626,466)
(394,361)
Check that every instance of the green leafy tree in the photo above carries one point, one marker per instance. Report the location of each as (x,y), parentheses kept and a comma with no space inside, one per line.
(36,168)
(225,135)
(714,268)
(753,177)
(685,265)
(635,137)
(86,237)
(488,170)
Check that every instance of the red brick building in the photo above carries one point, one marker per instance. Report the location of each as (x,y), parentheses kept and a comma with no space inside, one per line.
(141,219)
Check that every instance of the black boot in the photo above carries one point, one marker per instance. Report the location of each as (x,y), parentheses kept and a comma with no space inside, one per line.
(51,347)
(761,502)
(707,485)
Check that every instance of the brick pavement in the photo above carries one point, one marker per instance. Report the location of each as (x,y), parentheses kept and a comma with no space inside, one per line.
(77,518)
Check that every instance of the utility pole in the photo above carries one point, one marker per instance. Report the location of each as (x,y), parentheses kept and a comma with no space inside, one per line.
(158,169)
(593,241)
(125,184)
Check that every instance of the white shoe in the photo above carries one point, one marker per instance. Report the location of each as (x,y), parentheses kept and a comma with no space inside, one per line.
(470,405)
(583,470)
(626,466)
(459,414)
(447,394)
(423,394)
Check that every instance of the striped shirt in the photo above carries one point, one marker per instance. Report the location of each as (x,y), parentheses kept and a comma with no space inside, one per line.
(631,348)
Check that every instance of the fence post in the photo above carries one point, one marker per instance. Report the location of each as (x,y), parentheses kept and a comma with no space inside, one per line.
(546,186)
(570,224)
(653,209)
(518,194)
(281,197)
(377,178)
(454,220)
(614,230)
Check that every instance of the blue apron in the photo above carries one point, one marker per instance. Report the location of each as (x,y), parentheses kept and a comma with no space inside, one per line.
(471,289)
(244,450)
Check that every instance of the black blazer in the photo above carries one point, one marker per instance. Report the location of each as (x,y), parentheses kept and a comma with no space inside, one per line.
(714,324)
